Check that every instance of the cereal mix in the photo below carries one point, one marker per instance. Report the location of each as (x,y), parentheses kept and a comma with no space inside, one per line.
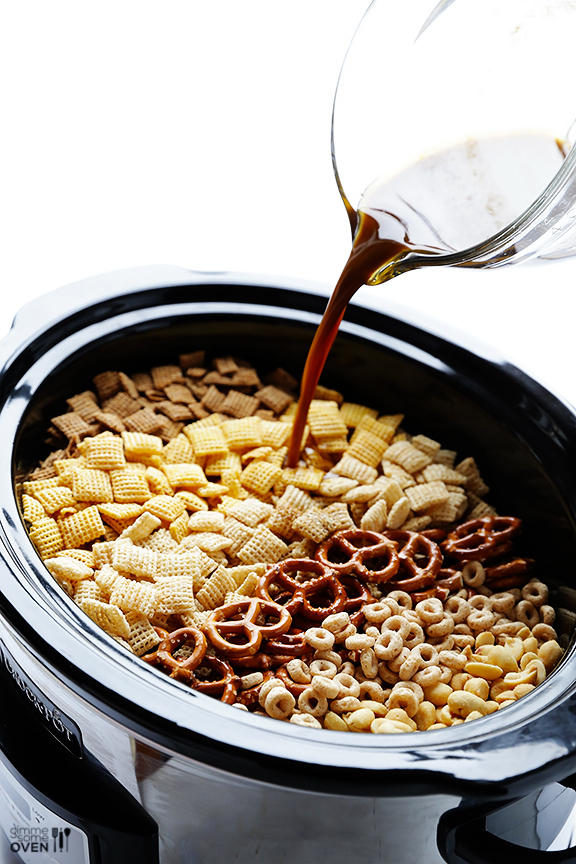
(369,589)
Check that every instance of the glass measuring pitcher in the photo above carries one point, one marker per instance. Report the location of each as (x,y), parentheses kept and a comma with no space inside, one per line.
(454,121)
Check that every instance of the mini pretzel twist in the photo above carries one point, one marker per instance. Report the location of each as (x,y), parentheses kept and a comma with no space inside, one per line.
(419,560)
(182,669)
(351,552)
(481,539)
(238,620)
(517,567)
(324,581)
(227,684)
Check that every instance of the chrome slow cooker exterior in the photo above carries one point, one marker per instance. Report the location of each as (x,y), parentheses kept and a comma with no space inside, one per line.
(134,763)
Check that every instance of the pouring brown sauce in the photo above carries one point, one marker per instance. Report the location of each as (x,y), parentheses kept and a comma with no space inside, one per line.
(445,203)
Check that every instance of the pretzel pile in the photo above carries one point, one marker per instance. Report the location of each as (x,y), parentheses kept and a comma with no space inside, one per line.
(306,594)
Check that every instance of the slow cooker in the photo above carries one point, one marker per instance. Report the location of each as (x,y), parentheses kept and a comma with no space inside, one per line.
(103,759)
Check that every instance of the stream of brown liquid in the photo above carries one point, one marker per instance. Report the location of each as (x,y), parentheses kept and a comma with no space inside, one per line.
(370,254)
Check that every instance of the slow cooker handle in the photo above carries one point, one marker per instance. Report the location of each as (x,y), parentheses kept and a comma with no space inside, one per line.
(463,838)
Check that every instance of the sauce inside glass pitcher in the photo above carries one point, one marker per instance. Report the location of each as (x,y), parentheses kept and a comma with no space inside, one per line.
(443,205)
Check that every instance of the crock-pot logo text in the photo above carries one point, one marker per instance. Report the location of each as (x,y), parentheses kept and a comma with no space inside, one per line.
(23,839)
(61,726)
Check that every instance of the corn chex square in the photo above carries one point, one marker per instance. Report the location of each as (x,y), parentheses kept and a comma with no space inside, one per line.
(92,484)
(206,440)
(407,456)
(274,433)
(138,444)
(368,448)
(352,413)
(175,594)
(426,495)
(262,546)
(129,487)
(46,536)
(130,595)
(325,420)
(165,507)
(185,475)
(50,500)
(136,560)
(260,476)
(81,527)
(104,451)
(142,636)
(353,468)
(179,449)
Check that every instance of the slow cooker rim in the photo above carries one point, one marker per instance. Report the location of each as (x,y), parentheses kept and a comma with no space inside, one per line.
(520,375)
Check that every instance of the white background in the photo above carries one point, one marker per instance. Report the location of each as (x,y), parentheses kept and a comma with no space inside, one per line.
(198,134)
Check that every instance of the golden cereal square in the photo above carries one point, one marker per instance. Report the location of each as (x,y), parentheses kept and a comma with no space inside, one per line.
(192,501)
(395,472)
(206,521)
(237,532)
(139,530)
(136,560)
(92,484)
(328,395)
(215,589)
(275,433)
(165,507)
(185,475)
(260,476)
(138,444)
(407,456)
(107,616)
(353,468)
(46,536)
(325,420)
(82,527)
(175,594)
(104,452)
(216,465)
(206,440)
(368,448)
(143,636)
(426,495)
(251,512)
(303,478)
(438,471)
(53,499)
(352,413)
(427,445)
(160,541)
(311,526)
(157,481)
(263,546)
(179,450)
(130,595)
(243,434)
(179,527)
(129,486)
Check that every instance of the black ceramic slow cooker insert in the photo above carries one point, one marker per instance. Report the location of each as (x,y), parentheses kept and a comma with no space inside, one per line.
(120,760)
